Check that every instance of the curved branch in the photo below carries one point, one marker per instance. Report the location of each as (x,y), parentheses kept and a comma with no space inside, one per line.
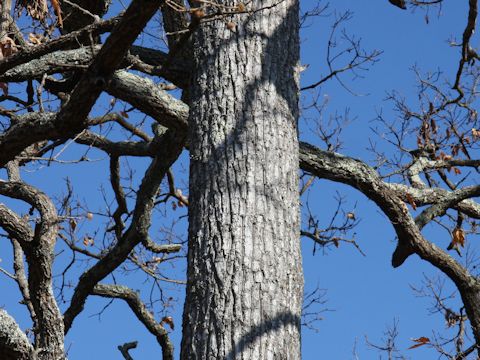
(39,254)
(16,227)
(125,348)
(357,174)
(37,199)
(410,240)
(150,99)
(21,279)
(138,229)
(142,313)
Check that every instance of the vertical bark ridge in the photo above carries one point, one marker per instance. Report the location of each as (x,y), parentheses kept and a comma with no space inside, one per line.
(245,283)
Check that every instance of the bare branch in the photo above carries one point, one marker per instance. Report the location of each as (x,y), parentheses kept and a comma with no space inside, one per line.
(140,310)
(125,348)
(138,230)
(72,117)
(21,278)
(70,39)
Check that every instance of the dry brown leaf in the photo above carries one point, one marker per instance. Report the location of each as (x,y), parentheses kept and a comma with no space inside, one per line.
(473,115)
(420,342)
(168,320)
(456,171)
(419,142)
(89,216)
(455,150)
(37,9)
(35,39)
(58,12)
(351,215)
(411,201)
(8,46)
(458,237)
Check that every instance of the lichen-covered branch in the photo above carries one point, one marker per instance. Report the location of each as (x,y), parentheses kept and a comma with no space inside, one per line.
(49,338)
(14,344)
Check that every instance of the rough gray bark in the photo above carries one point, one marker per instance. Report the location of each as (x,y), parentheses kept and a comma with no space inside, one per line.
(49,335)
(5,8)
(245,284)
(14,344)
(80,13)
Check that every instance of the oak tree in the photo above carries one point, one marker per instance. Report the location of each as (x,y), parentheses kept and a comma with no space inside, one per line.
(224,89)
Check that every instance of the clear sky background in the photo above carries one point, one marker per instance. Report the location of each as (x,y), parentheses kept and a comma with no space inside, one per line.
(364,294)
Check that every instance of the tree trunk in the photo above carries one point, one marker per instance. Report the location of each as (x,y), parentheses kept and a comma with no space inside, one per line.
(245,282)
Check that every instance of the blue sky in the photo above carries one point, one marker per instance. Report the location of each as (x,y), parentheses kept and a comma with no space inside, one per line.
(364,293)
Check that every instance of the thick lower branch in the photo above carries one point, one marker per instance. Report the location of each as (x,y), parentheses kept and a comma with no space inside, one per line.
(410,240)
(14,344)
(39,254)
